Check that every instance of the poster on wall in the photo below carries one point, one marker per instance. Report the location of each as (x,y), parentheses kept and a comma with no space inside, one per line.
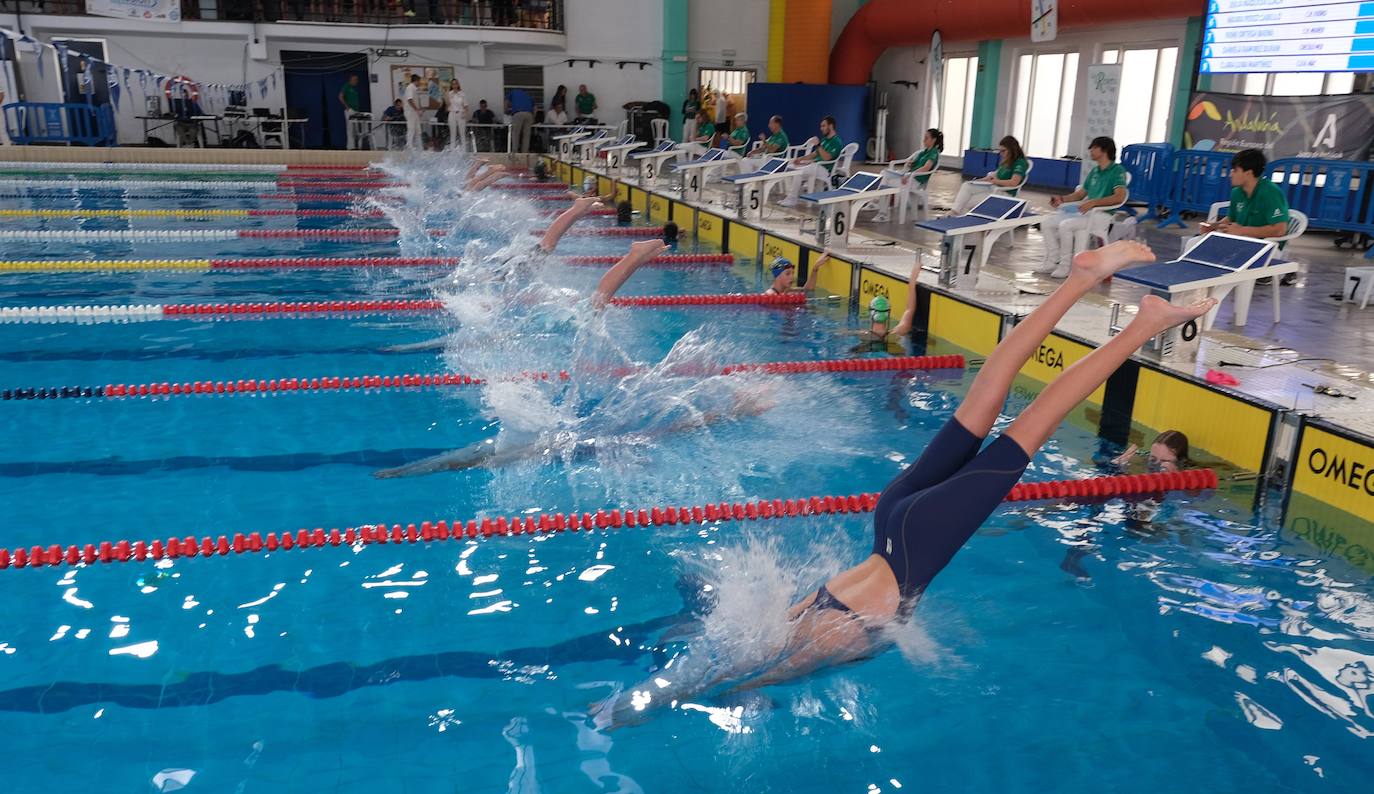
(1325,127)
(1104,92)
(433,82)
(146,10)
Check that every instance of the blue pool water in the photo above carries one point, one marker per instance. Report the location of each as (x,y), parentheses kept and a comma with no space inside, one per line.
(1067,648)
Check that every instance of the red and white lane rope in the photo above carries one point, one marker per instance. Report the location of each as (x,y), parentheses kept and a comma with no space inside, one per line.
(184,235)
(290,263)
(440,530)
(377,383)
(336,309)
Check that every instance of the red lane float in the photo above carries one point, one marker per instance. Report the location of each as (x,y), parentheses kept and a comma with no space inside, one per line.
(336,185)
(374,383)
(56,555)
(315,213)
(662,259)
(611,231)
(728,299)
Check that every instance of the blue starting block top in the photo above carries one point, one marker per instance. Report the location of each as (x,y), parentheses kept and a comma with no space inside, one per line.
(1213,256)
(624,140)
(711,156)
(990,209)
(858,183)
(663,147)
(773,166)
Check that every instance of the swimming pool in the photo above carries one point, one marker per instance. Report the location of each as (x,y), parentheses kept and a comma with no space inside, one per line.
(1068,648)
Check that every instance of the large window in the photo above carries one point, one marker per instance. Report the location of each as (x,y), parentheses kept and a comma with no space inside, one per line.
(1147,92)
(731,81)
(1045,84)
(961,78)
(1298,83)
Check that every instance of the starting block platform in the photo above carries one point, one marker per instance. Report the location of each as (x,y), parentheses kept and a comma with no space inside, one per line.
(565,141)
(616,151)
(839,206)
(584,147)
(754,186)
(1214,266)
(696,172)
(968,239)
(651,162)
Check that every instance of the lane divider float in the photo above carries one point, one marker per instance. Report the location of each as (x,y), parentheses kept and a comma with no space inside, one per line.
(336,309)
(217,185)
(377,383)
(309,262)
(188,212)
(73,555)
(268,169)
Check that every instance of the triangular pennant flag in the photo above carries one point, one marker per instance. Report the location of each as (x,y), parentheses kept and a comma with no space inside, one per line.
(274,79)
(126,78)
(61,55)
(114,91)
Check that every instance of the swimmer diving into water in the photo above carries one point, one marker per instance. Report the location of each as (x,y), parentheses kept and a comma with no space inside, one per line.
(932,508)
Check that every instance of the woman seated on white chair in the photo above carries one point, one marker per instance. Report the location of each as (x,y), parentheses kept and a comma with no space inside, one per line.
(1066,231)
(914,177)
(1010,174)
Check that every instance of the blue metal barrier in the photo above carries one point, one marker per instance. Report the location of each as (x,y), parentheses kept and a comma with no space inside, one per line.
(1148,164)
(1334,194)
(57,122)
(1047,172)
(1196,180)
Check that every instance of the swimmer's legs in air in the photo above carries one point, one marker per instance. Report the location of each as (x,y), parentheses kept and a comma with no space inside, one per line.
(620,272)
(564,222)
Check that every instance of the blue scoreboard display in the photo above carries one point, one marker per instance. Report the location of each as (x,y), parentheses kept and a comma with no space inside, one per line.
(1287,36)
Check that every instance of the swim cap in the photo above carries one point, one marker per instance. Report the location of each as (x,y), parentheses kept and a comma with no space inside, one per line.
(780,264)
(879,309)
(589,184)
(670,233)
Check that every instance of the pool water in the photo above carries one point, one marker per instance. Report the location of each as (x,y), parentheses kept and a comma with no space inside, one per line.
(1069,647)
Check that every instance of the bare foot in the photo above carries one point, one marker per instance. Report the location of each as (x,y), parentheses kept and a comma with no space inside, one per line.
(645,250)
(1158,314)
(1100,263)
(584,205)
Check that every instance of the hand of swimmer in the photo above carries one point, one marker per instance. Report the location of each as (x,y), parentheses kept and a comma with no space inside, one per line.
(585,205)
(648,249)
(1125,457)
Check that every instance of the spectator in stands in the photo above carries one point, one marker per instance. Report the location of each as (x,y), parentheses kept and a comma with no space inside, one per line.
(348,97)
(1258,207)
(817,165)
(483,114)
(1011,172)
(690,108)
(919,169)
(586,103)
(557,114)
(1066,231)
(520,105)
(560,97)
(457,105)
(738,139)
(412,111)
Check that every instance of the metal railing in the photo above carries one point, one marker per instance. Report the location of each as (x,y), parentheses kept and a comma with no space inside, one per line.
(527,14)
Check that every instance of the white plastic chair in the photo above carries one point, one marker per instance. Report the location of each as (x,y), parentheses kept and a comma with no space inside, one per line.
(1297,222)
(1025,180)
(845,161)
(913,189)
(660,130)
(1105,235)
(800,149)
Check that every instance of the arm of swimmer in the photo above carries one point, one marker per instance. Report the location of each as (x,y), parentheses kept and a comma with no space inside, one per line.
(815,273)
(466,458)
(620,272)
(563,223)
(903,326)
(416,347)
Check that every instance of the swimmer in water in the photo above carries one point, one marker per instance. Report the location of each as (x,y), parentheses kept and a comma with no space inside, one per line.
(879,334)
(927,513)
(589,191)
(785,276)
(751,401)
(487,174)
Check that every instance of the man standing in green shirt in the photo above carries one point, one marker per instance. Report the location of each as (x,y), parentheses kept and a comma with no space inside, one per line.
(585,102)
(348,97)
(817,165)
(1066,231)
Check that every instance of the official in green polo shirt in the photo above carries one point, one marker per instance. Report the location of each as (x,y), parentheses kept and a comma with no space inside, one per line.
(816,165)
(348,97)
(1066,231)
(1258,207)
(771,143)
(912,179)
(738,140)
(585,102)
(1008,178)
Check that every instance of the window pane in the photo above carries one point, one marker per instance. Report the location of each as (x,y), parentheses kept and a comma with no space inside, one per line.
(969,88)
(1066,105)
(1164,94)
(1023,80)
(1110,56)
(1297,83)
(1340,82)
(1044,104)
(956,84)
(1254,84)
(1133,107)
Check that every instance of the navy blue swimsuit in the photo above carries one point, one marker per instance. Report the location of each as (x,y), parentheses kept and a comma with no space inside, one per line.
(929,511)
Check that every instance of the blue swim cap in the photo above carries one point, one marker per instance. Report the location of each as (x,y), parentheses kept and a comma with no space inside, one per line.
(780,264)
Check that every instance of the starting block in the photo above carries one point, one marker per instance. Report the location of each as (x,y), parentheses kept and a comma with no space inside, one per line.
(616,151)
(968,239)
(565,142)
(1214,266)
(839,206)
(651,162)
(584,147)
(755,186)
(696,172)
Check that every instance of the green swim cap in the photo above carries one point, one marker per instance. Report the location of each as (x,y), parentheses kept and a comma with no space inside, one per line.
(879,309)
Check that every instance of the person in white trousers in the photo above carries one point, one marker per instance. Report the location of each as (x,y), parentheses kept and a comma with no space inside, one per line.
(412,111)
(1066,231)
(810,167)
(457,103)
(348,97)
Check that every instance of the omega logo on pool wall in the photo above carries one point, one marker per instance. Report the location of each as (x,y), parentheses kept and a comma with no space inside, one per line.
(1353,475)
(874,288)
(1050,357)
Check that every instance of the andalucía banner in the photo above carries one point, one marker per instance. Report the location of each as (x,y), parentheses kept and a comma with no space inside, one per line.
(146,10)
(1327,127)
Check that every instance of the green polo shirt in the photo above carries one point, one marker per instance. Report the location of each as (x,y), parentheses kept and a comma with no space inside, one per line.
(739,138)
(833,145)
(586,103)
(931,155)
(1005,171)
(1102,182)
(1267,205)
(705,128)
(778,141)
(350,96)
